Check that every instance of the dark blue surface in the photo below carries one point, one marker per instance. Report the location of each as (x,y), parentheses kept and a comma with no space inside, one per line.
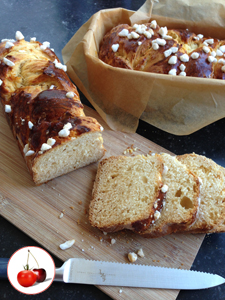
(56,21)
(3,268)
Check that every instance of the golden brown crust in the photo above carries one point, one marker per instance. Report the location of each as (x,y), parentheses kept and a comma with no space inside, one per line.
(35,88)
(138,53)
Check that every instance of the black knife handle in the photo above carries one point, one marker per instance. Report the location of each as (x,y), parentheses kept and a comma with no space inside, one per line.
(3,267)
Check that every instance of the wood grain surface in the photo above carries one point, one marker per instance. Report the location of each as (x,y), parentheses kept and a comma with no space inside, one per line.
(36,209)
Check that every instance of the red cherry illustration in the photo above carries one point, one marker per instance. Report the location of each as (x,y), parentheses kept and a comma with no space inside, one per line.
(41,274)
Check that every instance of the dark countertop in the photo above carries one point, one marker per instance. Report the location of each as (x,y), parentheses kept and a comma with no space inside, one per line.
(56,21)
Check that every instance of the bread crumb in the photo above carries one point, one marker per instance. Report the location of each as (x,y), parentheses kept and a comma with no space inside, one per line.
(61,215)
(130,149)
(113,241)
(80,202)
(132,256)
(120,291)
(105,233)
(71,207)
(140,253)
(78,222)
(100,239)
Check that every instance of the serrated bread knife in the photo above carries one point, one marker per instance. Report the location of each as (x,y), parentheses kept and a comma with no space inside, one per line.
(79,270)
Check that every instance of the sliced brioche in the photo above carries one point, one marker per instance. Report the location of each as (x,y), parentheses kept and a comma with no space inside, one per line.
(181,203)
(125,193)
(212,192)
(221,224)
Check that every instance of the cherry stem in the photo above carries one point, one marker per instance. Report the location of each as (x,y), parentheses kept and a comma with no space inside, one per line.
(27,257)
(33,257)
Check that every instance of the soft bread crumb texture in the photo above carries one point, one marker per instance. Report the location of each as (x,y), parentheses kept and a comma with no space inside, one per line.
(125,191)
(72,155)
(194,202)
(221,225)
(212,193)
(181,204)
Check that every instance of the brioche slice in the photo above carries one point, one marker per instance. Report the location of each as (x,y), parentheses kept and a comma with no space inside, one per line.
(221,224)
(212,194)
(126,193)
(181,204)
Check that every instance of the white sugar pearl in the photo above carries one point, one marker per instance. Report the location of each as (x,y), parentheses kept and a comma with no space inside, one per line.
(8,62)
(51,141)
(167,53)
(8,45)
(153,24)
(219,53)
(194,55)
(64,132)
(70,94)
(30,124)
(45,147)
(173,72)
(123,33)
(164,188)
(209,41)
(19,36)
(184,58)
(8,108)
(115,47)
(67,244)
(67,126)
(222,48)
(155,46)
(206,49)
(182,67)
(172,60)
(29,153)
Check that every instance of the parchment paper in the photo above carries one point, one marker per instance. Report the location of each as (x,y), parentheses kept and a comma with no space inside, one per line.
(176,104)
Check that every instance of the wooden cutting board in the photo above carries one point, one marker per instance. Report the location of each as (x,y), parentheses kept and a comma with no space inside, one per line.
(36,209)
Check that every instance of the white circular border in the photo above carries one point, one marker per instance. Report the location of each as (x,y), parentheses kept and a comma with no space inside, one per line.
(19,259)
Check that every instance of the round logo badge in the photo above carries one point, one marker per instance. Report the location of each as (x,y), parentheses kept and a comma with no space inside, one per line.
(31,270)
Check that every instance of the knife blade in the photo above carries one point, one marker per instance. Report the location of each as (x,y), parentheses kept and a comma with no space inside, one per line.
(79,270)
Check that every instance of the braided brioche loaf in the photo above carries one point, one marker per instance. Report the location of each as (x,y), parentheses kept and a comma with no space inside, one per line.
(151,48)
(44,110)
